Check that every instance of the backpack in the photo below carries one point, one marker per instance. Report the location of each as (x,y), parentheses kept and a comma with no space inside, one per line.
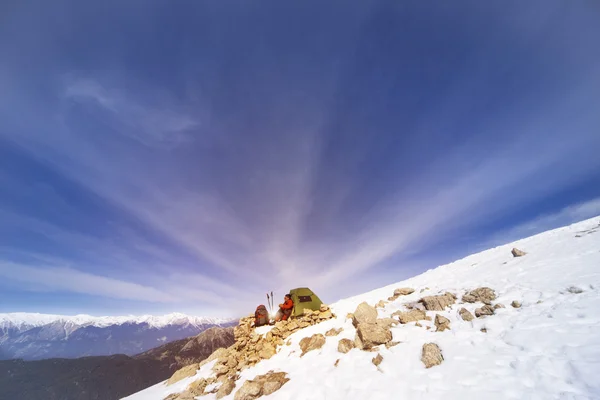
(261,316)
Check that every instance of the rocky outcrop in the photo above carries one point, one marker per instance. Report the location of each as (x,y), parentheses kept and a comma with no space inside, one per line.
(226,388)
(484,295)
(410,316)
(345,345)
(441,323)
(431,355)
(314,342)
(183,373)
(483,311)
(516,304)
(401,292)
(439,302)
(465,314)
(262,385)
(517,253)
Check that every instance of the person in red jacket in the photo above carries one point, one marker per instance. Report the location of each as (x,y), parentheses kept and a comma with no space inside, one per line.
(285,309)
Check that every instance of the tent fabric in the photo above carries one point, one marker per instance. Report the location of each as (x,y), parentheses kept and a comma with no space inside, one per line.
(304,298)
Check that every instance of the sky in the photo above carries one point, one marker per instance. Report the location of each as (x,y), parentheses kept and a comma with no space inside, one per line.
(162,156)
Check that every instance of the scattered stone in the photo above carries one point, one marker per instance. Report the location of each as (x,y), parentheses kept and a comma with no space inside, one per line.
(387,322)
(220,369)
(334,332)
(336,362)
(182,373)
(377,360)
(349,316)
(391,344)
(441,323)
(517,253)
(314,342)
(324,307)
(364,314)
(516,304)
(483,311)
(262,385)
(401,292)
(370,335)
(499,305)
(418,324)
(380,304)
(439,302)
(345,345)
(465,314)
(574,290)
(410,316)
(431,355)
(424,289)
(428,327)
(484,330)
(197,387)
(226,388)
(482,294)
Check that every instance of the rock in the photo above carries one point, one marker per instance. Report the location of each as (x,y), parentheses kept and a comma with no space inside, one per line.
(326,315)
(380,304)
(483,311)
(349,316)
(334,332)
(370,335)
(439,302)
(250,390)
(324,307)
(574,290)
(482,294)
(307,312)
(314,342)
(226,388)
(377,360)
(292,325)
(197,387)
(336,362)
(391,344)
(441,323)
(517,253)
(465,314)
(431,355)
(516,304)
(220,369)
(387,322)
(364,314)
(499,305)
(418,324)
(182,373)
(403,291)
(424,289)
(410,316)
(345,345)
(484,330)
(267,351)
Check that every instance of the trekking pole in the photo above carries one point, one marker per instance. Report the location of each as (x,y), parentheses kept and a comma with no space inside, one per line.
(272,303)
(268,301)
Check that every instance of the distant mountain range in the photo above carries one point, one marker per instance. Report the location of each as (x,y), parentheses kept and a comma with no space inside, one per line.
(105,377)
(31,336)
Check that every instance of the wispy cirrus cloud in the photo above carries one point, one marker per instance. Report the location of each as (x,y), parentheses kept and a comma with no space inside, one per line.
(224,176)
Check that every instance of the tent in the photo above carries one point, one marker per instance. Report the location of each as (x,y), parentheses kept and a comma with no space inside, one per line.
(304,298)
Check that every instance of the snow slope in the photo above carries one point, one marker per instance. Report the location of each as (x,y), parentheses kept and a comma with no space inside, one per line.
(547,349)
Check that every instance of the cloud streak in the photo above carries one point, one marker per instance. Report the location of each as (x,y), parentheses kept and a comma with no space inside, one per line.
(308,161)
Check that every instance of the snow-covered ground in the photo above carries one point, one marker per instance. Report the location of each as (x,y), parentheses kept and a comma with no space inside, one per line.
(547,349)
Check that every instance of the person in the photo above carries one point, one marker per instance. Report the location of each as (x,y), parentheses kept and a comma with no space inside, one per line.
(285,309)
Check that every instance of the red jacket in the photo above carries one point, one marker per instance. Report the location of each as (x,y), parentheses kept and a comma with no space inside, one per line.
(287,305)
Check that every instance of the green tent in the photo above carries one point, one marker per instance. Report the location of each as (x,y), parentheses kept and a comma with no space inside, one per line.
(304,298)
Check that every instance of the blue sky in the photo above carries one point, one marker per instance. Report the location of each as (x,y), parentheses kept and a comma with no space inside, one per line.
(160,156)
